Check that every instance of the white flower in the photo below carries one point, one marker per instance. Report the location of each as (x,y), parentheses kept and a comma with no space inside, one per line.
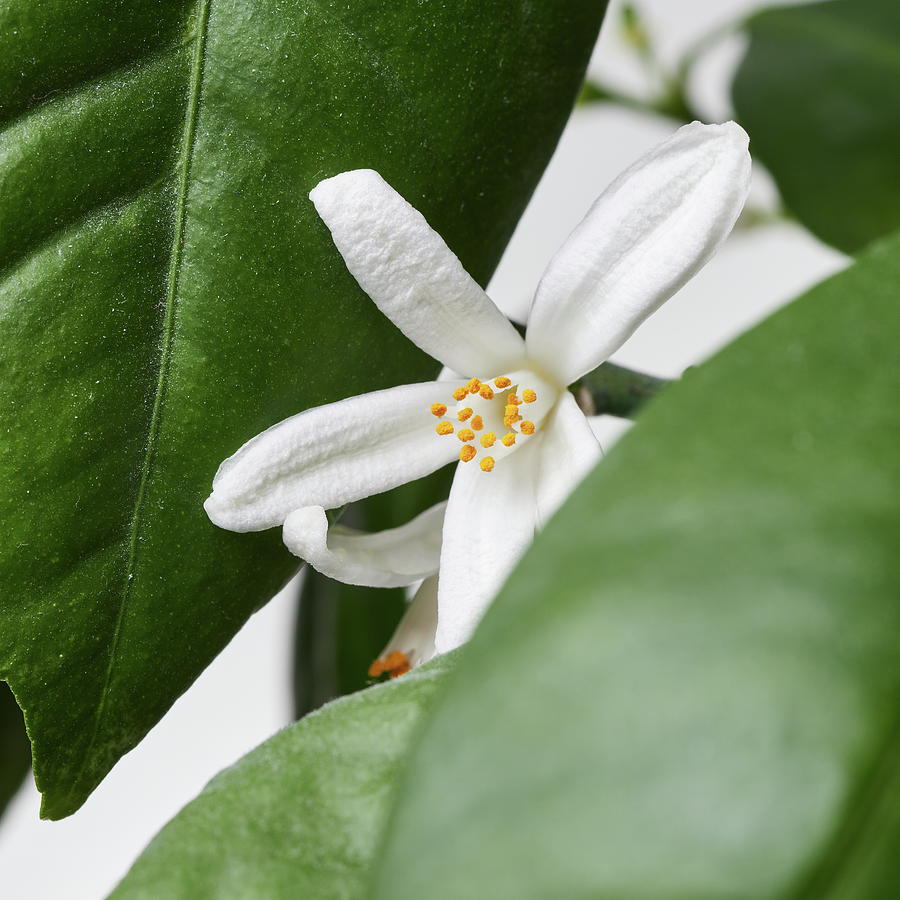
(522,441)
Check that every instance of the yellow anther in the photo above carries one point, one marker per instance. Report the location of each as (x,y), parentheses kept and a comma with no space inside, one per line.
(509,421)
(394,664)
(487,464)
(513,399)
(464,414)
(474,386)
(529,396)
(466,453)
(486,392)
(460,393)
(527,427)
(443,428)
(477,423)
(438,409)
(487,440)
(465,434)
(508,439)
(502,382)
(510,410)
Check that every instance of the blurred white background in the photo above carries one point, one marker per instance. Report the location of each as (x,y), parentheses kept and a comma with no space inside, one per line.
(243,697)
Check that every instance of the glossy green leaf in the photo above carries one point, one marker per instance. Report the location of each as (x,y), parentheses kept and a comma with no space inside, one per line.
(819,93)
(300,816)
(168,291)
(15,752)
(690,686)
(342,628)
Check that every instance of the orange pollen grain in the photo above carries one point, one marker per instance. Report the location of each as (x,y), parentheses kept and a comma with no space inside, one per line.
(508,439)
(509,421)
(464,414)
(510,410)
(443,428)
(477,423)
(513,400)
(487,440)
(438,409)
(527,427)
(487,464)
(502,382)
(394,664)
(486,392)
(529,396)
(474,386)
(466,453)
(460,393)
(465,434)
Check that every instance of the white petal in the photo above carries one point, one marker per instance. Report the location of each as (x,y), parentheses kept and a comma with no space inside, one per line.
(568,451)
(490,522)
(413,276)
(415,633)
(393,558)
(654,227)
(332,455)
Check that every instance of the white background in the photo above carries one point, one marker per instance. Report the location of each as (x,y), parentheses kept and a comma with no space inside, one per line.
(244,697)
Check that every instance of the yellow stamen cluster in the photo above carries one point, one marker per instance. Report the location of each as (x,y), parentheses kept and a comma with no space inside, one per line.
(468,452)
(394,664)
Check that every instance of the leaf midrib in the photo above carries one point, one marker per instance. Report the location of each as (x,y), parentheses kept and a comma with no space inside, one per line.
(176,255)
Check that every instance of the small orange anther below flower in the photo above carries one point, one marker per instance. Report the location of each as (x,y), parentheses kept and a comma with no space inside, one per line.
(464,414)
(460,393)
(502,382)
(513,400)
(486,392)
(443,428)
(477,423)
(529,396)
(474,386)
(527,427)
(467,452)
(508,439)
(487,464)
(487,440)
(466,434)
(394,664)
(438,409)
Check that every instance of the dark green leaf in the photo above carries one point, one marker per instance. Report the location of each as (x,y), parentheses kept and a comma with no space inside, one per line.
(690,686)
(15,752)
(342,628)
(300,816)
(819,93)
(168,291)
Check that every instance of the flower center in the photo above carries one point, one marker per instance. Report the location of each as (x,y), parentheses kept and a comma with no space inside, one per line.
(495,416)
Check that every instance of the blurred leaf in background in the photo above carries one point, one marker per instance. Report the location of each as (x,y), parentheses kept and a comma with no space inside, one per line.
(819,93)
(15,751)
(689,687)
(300,816)
(167,291)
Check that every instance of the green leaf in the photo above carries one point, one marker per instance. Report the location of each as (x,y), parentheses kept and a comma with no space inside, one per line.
(167,291)
(300,816)
(689,687)
(819,93)
(15,751)
(342,628)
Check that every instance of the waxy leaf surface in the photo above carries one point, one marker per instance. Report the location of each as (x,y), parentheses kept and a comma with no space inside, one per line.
(167,291)
(690,686)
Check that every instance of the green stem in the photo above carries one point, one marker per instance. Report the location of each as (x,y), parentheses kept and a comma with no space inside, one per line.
(616,391)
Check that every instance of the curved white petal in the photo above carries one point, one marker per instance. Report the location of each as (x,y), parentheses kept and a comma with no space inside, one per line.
(396,557)
(654,227)
(331,455)
(568,451)
(413,276)
(490,522)
(415,633)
